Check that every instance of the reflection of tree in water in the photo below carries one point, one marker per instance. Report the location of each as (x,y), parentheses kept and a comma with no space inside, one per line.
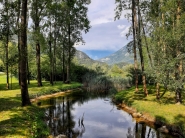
(61,121)
(141,131)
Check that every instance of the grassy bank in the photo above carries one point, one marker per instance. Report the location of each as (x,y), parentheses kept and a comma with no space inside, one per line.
(164,109)
(24,122)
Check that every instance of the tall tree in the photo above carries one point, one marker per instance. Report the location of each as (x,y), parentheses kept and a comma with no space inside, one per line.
(7,41)
(76,21)
(23,55)
(134,27)
(37,15)
(139,40)
(7,16)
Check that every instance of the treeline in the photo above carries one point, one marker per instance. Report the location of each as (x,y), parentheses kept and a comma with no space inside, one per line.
(38,31)
(158,32)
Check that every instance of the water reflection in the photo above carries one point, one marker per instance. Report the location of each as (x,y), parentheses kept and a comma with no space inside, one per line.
(61,120)
(93,117)
(143,131)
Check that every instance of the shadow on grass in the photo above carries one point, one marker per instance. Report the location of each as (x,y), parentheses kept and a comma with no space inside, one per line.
(180,122)
(13,126)
(129,96)
(15,86)
(24,122)
(177,129)
(9,103)
(12,86)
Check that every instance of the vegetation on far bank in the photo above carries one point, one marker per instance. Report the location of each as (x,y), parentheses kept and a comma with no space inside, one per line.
(164,110)
(24,122)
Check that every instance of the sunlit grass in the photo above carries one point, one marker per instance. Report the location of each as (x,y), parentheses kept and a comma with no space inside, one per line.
(24,122)
(164,109)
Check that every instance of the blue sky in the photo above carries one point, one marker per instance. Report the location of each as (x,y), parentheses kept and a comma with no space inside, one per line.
(106,35)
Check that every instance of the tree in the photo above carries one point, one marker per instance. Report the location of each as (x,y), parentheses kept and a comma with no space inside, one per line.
(134,26)
(23,56)
(139,40)
(37,14)
(75,21)
(137,36)
(7,30)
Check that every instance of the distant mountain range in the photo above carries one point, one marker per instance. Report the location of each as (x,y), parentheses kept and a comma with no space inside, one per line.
(84,59)
(120,57)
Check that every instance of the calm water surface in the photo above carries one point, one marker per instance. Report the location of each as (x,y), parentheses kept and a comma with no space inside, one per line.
(98,117)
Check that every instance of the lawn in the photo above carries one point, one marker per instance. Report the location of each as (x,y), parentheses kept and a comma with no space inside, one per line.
(24,122)
(164,109)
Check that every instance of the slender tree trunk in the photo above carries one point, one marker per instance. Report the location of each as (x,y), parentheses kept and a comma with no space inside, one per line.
(178,65)
(28,72)
(141,52)
(157,91)
(69,55)
(134,22)
(23,54)
(18,37)
(63,64)
(51,58)
(37,29)
(19,74)
(27,65)
(39,80)
(7,65)
(147,48)
(6,45)
(54,55)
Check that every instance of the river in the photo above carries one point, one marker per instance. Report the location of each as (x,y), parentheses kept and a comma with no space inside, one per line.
(93,117)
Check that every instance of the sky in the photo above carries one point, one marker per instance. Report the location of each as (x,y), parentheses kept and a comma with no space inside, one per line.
(106,35)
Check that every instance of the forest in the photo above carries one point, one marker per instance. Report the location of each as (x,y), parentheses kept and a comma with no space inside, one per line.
(158,43)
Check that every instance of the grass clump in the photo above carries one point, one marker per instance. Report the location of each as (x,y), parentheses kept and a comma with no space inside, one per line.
(25,122)
(164,109)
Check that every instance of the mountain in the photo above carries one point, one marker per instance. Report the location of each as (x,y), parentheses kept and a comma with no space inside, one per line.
(121,55)
(84,59)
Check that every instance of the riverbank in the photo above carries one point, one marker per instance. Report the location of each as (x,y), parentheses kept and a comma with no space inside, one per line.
(24,122)
(159,113)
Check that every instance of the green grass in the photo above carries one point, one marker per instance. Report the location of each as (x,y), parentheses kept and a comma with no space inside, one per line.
(24,122)
(164,109)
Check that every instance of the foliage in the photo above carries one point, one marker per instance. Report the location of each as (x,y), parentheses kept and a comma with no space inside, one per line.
(163,107)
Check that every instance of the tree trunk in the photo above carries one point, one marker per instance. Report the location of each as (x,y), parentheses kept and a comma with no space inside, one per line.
(63,64)
(69,55)
(23,54)
(147,48)
(37,29)
(39,80)
(28,72)
(54,55)
(141,52)
(134,24)
(178,65)
(157,91)
(51,58)
(18,37)
(6,45)
(7,65)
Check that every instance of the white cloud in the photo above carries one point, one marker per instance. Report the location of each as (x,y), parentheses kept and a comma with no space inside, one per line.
(105,37)
(101,11)
(121,26)
(105,34)
(125,31)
